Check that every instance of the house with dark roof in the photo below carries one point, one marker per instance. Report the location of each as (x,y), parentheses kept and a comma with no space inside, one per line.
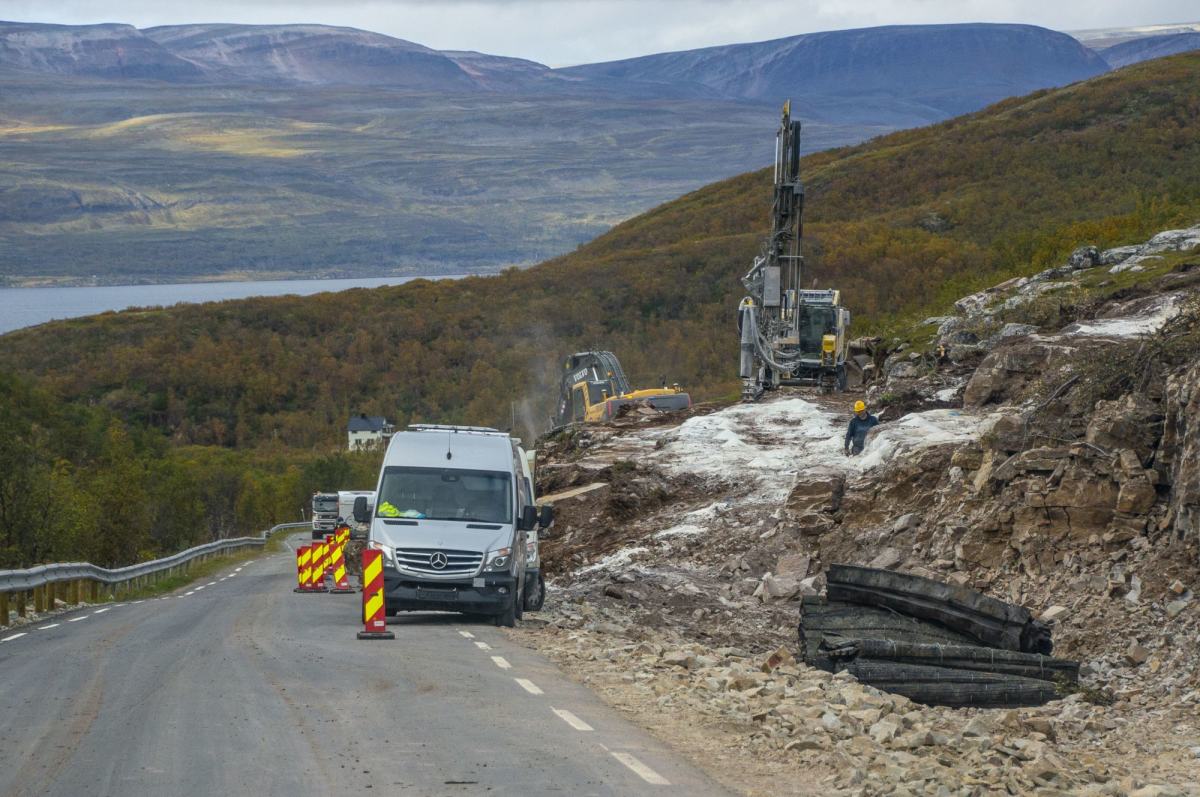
(367,431)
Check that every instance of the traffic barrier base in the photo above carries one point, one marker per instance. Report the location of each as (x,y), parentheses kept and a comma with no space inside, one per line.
(374,611)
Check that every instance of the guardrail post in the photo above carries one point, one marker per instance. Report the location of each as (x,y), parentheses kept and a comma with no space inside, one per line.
(21,598)
(3,608)
(37,600)
(75,591)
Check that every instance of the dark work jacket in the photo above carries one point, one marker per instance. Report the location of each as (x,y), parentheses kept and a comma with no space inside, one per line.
(856,434)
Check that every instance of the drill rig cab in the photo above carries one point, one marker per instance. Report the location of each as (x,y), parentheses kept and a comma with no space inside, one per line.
(594,388)
(789,335)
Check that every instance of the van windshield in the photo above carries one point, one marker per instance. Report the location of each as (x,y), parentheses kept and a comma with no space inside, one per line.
(445,494)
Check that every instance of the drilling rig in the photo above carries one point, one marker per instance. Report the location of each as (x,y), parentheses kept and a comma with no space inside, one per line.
(789,335)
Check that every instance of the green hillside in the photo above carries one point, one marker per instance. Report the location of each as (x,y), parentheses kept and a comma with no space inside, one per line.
(902,224)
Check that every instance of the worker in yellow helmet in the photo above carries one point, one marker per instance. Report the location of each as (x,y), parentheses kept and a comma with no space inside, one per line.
(860,424)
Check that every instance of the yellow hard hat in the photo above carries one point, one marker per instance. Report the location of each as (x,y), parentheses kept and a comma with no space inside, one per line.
(860,406)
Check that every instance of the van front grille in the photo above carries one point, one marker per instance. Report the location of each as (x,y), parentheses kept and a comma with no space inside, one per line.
(422,560)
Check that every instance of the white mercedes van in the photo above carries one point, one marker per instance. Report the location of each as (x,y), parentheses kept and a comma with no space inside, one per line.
(452,517)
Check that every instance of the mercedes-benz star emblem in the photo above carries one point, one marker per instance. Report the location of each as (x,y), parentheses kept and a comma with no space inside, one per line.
(438,560)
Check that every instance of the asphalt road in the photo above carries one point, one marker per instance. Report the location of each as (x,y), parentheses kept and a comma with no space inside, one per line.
(239,686)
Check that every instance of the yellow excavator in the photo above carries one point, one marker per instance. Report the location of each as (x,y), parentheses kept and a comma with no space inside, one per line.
(594,389)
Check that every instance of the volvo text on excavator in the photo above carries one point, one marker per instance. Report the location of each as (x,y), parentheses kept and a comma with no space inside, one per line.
(789,335)
(594,389)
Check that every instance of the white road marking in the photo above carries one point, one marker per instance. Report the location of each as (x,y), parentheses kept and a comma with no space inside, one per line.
(231,575)
(77,619)
(529,686)
(571,719)
(467,634)
(135,603)
(48,627)
(101,611)
(502,662)
(14,636)
(197,589)
(483,646)
(184,595)
(211,583)
(641,770)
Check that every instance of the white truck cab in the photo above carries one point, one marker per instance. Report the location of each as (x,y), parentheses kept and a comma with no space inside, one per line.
(452,517)
(346,499)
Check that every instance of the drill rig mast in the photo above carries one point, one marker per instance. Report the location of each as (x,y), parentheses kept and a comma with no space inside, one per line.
(789,336)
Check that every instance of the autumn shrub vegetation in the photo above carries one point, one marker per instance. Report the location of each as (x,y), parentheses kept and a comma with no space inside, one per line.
(903,225)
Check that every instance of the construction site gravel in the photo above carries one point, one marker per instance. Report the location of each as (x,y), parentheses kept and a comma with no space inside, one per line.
(684,545)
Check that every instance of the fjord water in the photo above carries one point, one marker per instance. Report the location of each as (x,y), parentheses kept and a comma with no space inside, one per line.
(26,307)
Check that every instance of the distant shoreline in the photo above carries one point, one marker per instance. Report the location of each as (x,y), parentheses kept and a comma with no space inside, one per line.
(39,304)
(20,283)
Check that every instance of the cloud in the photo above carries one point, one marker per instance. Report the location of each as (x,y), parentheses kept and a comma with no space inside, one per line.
(560,32)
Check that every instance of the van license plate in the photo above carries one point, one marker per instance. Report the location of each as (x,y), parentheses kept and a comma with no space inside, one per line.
(477,583)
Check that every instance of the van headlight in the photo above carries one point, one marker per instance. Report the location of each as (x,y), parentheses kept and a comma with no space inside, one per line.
(498,560)
(389,557)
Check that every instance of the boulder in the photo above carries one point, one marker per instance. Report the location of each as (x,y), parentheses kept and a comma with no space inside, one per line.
(1014,331)
(1007,434)
(1083,257)
(887,559)
(1054,614)
(816,494)
(1136,496)
(1135,654)
(1132,422)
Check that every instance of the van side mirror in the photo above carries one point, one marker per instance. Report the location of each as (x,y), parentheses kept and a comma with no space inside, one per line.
(546,516)
(529,517)
(361,513)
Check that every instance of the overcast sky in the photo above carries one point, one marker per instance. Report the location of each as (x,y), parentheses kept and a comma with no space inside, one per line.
(561,32)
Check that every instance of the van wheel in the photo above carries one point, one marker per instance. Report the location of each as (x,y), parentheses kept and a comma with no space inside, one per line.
(535,594)
(508,617)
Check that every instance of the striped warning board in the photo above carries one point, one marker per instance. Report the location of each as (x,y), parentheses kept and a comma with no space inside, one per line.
(374,609)
(337,567)
(303,568)
(316,582)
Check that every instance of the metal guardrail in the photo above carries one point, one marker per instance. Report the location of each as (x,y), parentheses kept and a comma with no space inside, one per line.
(43,581)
